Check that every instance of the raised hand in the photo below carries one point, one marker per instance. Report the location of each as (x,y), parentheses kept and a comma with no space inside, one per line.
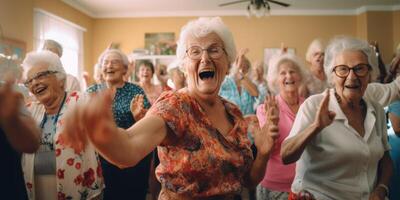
(91,120)
(9,102)
(137,107)
(265,137)
(324,116)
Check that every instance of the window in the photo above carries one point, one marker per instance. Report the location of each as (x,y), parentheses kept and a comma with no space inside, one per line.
(68,34)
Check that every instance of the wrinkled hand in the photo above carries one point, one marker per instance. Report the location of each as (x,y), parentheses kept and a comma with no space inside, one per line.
(91,120)
(324,116)
(377,194)
(9,102)
(162,75)
(239,60)
(137,107)
(265,137)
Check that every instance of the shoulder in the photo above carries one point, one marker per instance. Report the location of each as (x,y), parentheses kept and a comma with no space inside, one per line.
(134,87)
(232,108)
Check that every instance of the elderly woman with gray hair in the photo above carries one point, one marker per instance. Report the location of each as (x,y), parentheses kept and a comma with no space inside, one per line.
(132,181)
(55,170)
(286,74)
(339,137)
(201,138)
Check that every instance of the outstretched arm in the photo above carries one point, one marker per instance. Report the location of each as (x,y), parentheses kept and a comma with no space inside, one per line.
(20,129)
(93,122)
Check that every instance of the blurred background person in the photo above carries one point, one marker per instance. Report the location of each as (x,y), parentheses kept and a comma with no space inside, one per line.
(257,73)
(238,87)
(72,83)
(131,181)
(317,82)
(145,74)
(54,170)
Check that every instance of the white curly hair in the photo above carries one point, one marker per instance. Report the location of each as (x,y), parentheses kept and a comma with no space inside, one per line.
(340,44)
(200,28)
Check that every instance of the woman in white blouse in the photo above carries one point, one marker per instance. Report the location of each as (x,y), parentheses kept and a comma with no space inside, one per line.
(339,138)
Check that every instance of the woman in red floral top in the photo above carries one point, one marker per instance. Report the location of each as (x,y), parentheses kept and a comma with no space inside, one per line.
(201,138)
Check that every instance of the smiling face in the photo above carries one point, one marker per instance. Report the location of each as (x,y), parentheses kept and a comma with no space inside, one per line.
(145,73)
(352,87)
(289,78)
(45,85)
(113,68)
(205,75)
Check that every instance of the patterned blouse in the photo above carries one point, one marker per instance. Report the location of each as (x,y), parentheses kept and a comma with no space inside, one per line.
(243,99)
(122,101)
(202,162)
(78,174)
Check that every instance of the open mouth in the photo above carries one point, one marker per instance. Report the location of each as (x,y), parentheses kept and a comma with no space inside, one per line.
(352,86)
(207,74)
(39,90)
(289,82)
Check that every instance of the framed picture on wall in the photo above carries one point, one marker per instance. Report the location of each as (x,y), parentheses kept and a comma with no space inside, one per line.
(160,43)
(12,49)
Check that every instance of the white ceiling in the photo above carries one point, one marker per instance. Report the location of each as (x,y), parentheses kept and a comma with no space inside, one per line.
(156,8)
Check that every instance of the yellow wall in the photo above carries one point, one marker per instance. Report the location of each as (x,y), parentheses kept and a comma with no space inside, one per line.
(380,29)
(255,34)
(65,11)
(16,20)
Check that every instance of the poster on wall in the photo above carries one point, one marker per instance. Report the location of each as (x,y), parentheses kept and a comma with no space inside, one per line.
(160,43)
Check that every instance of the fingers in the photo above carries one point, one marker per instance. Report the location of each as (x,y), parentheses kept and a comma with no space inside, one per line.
(325,100)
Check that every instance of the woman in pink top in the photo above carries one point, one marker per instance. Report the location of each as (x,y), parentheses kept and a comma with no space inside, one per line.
(285,76)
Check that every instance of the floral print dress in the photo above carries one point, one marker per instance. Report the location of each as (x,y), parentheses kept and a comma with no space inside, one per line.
(78,174)
(201,162)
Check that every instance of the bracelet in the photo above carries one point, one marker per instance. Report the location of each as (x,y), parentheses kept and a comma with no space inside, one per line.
(381,185)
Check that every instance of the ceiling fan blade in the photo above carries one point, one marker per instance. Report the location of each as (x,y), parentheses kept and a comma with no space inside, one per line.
(233,2)
(279,3)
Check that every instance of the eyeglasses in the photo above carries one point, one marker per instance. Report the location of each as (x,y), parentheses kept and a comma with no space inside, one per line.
(360,70)
(195,52)
(112,62)
(39,76)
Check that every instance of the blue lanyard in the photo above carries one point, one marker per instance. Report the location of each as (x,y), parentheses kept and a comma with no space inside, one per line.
(58,113)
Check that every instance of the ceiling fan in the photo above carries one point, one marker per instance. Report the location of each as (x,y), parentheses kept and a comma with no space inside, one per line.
(257,3)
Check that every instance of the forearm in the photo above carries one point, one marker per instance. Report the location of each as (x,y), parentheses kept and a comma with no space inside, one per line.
(141,139)
(385,169)
(292,148)
(22,133)
(249,86)
(257,171)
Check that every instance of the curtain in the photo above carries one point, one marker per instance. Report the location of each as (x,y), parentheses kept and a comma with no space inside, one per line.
(68,34)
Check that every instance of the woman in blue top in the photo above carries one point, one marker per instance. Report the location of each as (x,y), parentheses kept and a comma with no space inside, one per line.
(133,181)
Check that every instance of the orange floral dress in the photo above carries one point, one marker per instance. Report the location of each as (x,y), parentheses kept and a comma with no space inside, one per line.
(201,162)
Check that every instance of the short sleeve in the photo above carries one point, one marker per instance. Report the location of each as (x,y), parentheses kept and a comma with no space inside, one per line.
(394,108)
(173,109)
(304,116)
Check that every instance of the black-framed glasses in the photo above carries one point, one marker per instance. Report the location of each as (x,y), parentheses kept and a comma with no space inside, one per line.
(360,70)
(39,76)
(195,52)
